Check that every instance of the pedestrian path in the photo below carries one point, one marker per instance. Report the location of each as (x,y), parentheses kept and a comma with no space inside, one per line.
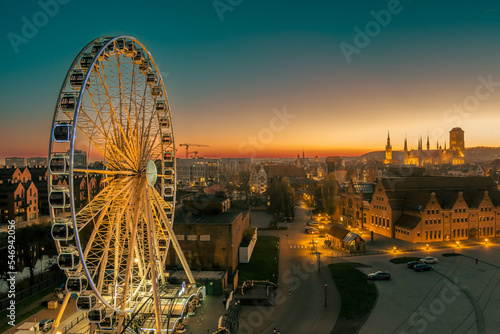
(299,246)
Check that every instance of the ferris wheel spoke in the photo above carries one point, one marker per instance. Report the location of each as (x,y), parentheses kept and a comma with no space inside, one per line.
(101,252)
(100,202)
(173,239)
(101,139)
(104,172)
(122,101)
(115,122)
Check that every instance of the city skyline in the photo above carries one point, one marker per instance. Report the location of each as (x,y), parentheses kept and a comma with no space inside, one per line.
(257,80)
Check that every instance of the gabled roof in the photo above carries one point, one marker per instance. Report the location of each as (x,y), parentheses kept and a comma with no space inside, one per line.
(338,232)
(285,171)
(434,183)
(408,222)
(446,199)
(473,198)
(416,200)
(9,187)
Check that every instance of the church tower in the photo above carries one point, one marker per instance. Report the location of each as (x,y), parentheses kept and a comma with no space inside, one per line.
(388,150)
(457,142)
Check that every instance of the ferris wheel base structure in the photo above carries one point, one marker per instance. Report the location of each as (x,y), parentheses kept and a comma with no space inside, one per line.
(113,249)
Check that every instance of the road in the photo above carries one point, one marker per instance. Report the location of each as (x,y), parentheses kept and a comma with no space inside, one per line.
(300,302)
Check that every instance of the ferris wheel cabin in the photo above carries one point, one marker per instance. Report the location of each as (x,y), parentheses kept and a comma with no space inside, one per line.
(97,313)
(59,198)
(62,230)
(86,302)
(76,80)
(77,284)
(68,259)
(61,132)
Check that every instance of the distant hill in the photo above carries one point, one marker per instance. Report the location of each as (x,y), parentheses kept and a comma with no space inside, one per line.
(480,153)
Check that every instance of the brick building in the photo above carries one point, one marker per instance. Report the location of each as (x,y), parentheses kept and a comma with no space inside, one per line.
(427,209)
(210,241)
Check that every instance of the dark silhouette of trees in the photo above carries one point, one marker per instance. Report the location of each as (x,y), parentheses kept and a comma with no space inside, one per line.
(282,197)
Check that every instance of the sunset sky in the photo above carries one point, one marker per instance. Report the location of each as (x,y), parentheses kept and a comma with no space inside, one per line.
(230,67)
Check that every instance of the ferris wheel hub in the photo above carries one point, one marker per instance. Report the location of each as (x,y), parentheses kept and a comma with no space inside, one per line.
(151,173)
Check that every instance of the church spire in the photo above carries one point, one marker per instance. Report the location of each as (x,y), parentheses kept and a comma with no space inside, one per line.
(388,150)
(406,144)
(420,143)
(428,143)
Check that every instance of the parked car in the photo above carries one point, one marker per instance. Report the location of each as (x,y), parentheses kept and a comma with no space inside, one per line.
(312,231)
(287,219)
(428,259)
(412,264)
(45,325)
(423,267)
(379,275)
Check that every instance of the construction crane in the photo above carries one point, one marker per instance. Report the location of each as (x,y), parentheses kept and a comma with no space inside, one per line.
(187,147)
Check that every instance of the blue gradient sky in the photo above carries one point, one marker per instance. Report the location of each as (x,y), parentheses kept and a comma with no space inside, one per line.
(225,77)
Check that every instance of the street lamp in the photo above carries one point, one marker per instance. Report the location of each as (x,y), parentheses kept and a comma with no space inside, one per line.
(41,259)
(486,241)
(326,295)
(427,246)
(394,250)
(458,243)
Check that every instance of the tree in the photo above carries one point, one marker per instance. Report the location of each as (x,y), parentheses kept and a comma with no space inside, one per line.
(282,197)
(329,194)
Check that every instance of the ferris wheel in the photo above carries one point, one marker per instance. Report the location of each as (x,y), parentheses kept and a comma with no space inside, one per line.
(113,240)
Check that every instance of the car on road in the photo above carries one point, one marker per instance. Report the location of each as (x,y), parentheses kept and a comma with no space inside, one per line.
(423,267)
(412,264)
(312,231)
(379,275)
(428,259)
(45,325)
(287,219)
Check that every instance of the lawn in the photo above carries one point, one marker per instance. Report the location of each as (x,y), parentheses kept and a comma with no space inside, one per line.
(27,307)
(451,254)
(357,296)
(399,260)
(263,265)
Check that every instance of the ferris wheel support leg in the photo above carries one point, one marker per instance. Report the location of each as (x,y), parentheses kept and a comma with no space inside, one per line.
(152,262)
(175,243)
(61,312)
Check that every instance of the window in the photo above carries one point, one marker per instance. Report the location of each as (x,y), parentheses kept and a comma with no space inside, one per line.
(435,234)
(428,212)
(426,235)
(439,234)
(426,222)
(437,211)
(439,221)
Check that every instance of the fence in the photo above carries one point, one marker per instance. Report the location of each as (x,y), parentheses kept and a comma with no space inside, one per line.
(372,252)
(35,288)
(73,323)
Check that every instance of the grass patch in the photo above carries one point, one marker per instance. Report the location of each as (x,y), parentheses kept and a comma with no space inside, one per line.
(451,254)
(262,264)
(399,260)
(26,308)
(357,296)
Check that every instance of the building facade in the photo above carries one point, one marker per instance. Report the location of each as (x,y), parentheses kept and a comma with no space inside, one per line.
(428,209)
(426,156)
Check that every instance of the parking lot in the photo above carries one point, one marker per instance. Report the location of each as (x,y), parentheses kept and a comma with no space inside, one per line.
(459,296)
